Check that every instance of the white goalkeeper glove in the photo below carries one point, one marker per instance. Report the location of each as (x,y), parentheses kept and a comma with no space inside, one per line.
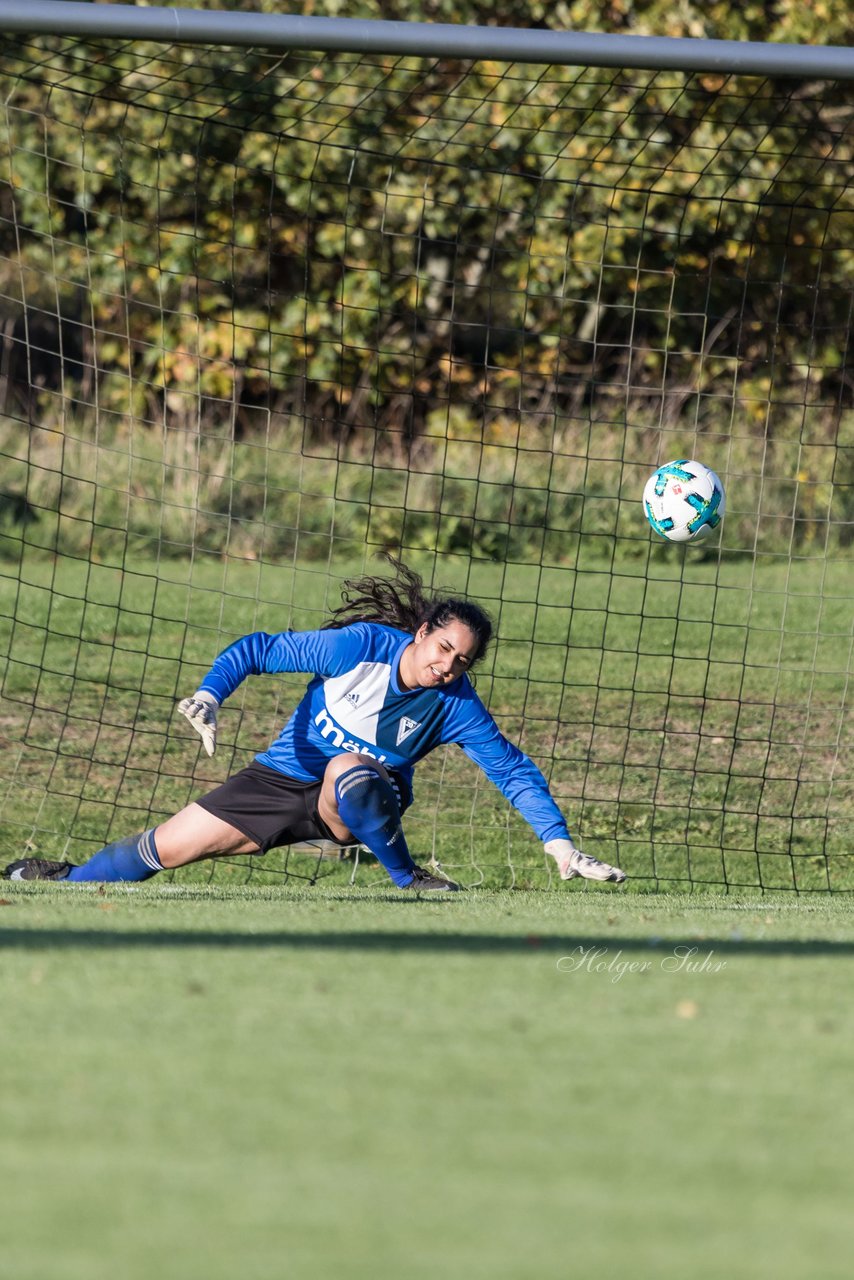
(201,711)
(571,862)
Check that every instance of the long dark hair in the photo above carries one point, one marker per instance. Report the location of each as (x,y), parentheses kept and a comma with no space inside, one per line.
(402,601)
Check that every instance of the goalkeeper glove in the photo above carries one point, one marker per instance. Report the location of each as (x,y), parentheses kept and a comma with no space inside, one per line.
(201,711)
(572,862)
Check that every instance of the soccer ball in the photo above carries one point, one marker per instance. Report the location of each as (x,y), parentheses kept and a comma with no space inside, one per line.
(683,501)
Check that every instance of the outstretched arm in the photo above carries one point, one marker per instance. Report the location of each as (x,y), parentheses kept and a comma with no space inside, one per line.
(519,779)
(255,654)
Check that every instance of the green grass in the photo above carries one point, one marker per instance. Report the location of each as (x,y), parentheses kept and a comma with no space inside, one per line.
(691,717)
(214,1082)
(689,722)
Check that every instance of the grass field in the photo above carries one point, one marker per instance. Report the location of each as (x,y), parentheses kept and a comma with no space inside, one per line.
(221,1083)
(691,717)
(228,1074)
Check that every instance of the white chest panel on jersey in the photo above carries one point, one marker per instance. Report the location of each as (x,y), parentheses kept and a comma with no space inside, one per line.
(356,699)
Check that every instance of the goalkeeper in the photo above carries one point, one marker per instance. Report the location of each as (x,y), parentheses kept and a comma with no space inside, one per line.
(390,684)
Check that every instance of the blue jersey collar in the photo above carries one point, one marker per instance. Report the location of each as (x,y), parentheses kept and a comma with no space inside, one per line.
(395,666)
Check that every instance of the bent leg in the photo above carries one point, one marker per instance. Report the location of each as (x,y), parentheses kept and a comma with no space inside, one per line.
(357,798)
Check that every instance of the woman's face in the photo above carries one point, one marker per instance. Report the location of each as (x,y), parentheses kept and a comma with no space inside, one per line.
(437,657)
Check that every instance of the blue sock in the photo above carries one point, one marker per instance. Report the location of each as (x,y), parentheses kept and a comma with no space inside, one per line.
(133,859)
(368,806)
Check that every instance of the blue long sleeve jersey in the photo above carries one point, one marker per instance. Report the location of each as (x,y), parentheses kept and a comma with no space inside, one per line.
(355,703)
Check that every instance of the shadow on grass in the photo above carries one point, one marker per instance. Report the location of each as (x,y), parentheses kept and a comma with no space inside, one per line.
(582,945)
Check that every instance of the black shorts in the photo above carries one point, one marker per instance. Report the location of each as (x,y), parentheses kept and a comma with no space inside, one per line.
(273,809)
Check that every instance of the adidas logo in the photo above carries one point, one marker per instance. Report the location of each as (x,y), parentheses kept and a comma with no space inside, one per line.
(352,698)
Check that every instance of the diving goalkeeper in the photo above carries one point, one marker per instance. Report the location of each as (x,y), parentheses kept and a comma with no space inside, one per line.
(389,684)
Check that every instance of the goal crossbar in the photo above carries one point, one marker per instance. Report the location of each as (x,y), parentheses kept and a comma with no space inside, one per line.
(362,35)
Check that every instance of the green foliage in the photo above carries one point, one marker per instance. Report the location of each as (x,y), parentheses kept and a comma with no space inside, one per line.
(132,488)
(399,262)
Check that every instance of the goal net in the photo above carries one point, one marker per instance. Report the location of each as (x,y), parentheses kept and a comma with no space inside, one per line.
(265,315)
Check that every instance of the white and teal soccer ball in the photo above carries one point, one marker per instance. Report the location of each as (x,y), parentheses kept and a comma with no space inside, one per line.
(684,501)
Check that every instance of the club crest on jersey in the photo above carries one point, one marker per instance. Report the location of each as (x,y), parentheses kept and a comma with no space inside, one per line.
(405,727)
